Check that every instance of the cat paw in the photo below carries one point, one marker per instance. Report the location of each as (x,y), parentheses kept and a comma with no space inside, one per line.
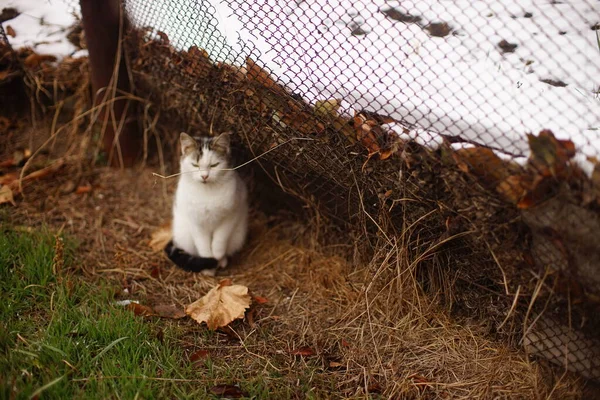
(209,272)
(223,262)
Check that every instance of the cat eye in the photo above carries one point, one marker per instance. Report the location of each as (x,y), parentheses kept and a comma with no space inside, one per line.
(195,165)
(214,165)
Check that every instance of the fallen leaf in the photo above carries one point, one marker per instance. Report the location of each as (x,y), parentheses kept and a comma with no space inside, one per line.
(10,31)
(141,310)
(483,163)
(303,351)
(507,47)
(83,189)
(259,75)
(327,108)
(549,156)
(8,178)
(228,391)
(163,36)
(199,355)
(513,188)
(6,196)
(160,237)
(169,311)
(439,29)
(221,305)
(34,59)
(260,299)
(401,16)
(335,364)
(540,190)
(345,343)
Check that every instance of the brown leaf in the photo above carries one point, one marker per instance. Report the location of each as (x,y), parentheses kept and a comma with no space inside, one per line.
(6,196)
(260,299)
(10,31)
(513,188)
(161,237)
(549,156)
(221,305)
(483,163)
(83,189)
(540,190)
(163,36)
(198,356)
(228,391)
(169,311)
(8,178)
(34,59)
(141,310)
(303,351)
(259,75)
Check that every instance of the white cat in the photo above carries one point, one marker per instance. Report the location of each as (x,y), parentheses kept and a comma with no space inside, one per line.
(210,211)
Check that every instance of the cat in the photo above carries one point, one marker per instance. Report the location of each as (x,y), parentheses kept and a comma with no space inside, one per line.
(210,209)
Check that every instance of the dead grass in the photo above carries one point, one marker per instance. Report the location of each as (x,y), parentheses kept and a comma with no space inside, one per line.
(369,325)
(366,326)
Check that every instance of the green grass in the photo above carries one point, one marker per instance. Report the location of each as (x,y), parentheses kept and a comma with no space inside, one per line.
(64,338)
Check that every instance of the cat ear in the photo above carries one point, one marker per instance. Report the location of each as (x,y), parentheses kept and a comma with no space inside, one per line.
(187,142)
(222,142)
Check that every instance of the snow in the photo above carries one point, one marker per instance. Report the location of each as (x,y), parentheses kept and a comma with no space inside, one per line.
(42,25)
(460,84)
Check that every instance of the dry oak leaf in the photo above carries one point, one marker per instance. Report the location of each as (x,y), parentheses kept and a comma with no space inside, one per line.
(161,237)
(221,305)
(6,195)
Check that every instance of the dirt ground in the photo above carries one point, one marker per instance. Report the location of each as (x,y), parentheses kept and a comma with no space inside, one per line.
(351,329)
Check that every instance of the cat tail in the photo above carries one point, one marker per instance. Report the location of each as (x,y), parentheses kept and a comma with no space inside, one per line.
(188,262)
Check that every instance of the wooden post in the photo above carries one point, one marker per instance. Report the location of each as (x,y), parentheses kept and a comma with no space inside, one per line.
(103,24)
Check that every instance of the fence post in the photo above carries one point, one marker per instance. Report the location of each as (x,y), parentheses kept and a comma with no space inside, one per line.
(102,23)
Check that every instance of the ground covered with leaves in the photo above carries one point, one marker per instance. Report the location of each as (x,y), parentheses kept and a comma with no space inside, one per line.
(94,311)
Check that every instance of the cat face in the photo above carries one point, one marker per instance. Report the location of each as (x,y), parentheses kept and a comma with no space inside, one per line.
(204,158)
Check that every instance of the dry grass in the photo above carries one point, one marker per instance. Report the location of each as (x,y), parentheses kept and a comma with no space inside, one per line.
(369,324)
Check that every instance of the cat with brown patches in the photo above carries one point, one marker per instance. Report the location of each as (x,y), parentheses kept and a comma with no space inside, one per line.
(210,211)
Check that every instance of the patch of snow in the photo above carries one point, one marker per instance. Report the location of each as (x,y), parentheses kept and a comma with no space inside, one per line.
(42,25)
(80,53)
(459,84)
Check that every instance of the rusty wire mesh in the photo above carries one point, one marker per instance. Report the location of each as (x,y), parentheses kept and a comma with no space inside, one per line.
(474,124)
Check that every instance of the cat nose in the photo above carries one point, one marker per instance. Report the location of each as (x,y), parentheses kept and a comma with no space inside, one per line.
(204,177)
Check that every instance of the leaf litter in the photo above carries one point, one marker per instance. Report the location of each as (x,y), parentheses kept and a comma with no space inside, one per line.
(221,305)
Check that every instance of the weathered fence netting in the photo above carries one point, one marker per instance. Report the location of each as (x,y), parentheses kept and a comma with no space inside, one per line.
(470,128)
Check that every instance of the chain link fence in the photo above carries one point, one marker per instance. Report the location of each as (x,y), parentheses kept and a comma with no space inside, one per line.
(473,126)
